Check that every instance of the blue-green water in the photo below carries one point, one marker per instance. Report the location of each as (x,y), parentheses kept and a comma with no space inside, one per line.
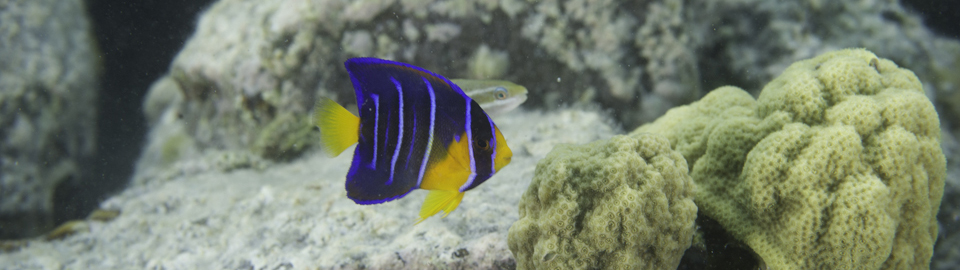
(632,61)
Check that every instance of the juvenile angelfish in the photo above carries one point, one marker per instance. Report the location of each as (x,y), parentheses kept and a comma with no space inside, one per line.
(416,130)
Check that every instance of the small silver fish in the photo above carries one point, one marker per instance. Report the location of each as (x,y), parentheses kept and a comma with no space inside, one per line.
(494,96)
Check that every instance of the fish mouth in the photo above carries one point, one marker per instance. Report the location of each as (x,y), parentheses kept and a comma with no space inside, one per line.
(510,104)
(521,99)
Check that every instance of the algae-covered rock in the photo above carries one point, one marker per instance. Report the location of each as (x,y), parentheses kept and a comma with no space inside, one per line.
(837,165)
(286,137)
(253,61)
(621,203)
(48,97)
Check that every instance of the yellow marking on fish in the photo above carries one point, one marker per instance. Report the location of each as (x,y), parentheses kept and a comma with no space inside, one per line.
(339,128)
(444,178)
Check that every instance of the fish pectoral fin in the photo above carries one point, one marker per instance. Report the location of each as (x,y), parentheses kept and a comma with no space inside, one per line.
(450,171)
(460,151)
(339,128)
(437,200)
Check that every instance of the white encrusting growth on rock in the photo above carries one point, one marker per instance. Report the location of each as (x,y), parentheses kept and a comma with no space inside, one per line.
(297,214)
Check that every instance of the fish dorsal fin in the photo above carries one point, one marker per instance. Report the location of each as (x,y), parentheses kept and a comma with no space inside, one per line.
(369,72)
(450,170)
(339,128)
(437,200)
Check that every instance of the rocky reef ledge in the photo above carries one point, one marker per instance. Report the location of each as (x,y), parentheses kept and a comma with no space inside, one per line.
(232,211)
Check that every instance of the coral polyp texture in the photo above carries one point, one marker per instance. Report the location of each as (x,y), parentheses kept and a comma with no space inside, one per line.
(837,164)
(621,203)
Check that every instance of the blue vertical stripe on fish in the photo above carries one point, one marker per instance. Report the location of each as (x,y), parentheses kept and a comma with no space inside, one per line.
(400,131)
(433,111)
(376,126)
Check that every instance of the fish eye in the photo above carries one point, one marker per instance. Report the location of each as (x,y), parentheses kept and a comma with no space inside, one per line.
(483,144)
(500,93)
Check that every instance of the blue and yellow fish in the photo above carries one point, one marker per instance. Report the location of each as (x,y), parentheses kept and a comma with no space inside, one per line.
(416,130)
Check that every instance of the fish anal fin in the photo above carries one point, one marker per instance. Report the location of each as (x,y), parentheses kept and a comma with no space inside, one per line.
(339,128)
(453,204)
(440,200)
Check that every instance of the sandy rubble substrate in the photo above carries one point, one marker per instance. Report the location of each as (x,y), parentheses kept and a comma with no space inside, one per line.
(296,216)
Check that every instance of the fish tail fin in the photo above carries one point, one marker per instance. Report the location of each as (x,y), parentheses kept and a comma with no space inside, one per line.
(339,128)
(437,200)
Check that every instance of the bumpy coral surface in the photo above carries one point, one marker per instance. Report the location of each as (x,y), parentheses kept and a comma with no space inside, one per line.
(837,165)
(622,203)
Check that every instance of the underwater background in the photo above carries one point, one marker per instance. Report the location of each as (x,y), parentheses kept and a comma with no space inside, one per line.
(178,134)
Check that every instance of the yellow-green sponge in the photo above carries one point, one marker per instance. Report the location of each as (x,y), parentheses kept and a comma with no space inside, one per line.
(837,165)
(621,203)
